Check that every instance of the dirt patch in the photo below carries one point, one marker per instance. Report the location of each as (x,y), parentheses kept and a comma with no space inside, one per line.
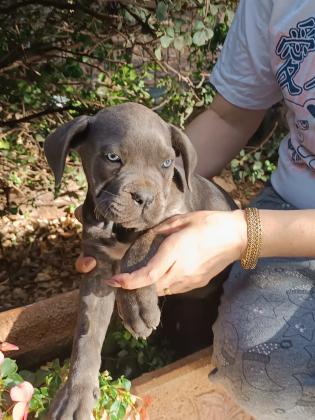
(39,235)
(37,258)
(241,192)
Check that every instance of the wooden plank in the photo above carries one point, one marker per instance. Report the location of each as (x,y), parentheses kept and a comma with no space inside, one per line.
(182,391)
(42,330)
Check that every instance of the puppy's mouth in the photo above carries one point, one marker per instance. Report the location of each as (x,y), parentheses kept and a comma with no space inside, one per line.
(123,210)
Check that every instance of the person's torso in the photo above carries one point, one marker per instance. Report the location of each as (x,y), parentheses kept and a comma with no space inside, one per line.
(292,43)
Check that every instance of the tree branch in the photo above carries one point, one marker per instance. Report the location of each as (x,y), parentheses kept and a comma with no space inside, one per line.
(13,122)
(56,4)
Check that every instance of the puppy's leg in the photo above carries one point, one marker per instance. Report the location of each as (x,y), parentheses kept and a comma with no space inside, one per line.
(78,397)
(139,308)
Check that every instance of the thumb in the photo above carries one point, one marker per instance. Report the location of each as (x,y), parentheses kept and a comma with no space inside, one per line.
(85,264)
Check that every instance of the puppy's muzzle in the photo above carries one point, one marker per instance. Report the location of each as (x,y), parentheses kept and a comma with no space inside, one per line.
(143,197)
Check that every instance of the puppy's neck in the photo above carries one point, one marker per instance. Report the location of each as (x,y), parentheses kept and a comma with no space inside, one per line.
(124,235)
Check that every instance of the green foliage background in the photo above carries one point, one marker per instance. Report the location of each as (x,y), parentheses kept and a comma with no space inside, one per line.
(62,58)
(76,56)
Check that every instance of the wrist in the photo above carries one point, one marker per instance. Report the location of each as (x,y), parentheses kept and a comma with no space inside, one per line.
(241,232)
(231,232)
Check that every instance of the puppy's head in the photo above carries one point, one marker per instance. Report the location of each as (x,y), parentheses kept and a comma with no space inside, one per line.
(128,154)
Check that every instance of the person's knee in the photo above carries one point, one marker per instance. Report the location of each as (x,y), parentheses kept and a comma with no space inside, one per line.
(263,342)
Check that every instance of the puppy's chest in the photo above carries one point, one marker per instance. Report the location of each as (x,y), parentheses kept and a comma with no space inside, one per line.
(110,239)
(117,250)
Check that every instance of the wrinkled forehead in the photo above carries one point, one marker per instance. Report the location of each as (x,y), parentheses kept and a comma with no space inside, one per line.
(133,132)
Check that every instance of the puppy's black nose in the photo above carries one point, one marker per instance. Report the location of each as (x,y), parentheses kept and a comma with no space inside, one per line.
(143,197)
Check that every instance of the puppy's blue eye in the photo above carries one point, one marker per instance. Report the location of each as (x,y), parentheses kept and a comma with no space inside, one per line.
(167,163)
(113,157)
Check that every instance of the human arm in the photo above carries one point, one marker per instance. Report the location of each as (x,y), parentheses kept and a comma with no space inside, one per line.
(201,244)
(220,132)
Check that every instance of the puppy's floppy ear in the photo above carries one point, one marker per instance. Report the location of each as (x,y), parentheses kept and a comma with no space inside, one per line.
(58,144)
(183,147)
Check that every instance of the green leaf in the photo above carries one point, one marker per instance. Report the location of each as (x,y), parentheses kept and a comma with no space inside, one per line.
(170,31)
(199,25)
(8,367)
(157,53)
(161,11)
(188,39)
(179,43)
(209,33)
(213,9)
(178,25)
(201,37)
(4,144)
(114,408)
(121,412)
(101,91)
(72,69)
(12,379)
(39,138)
(166,41)
(257,165)
(125,383)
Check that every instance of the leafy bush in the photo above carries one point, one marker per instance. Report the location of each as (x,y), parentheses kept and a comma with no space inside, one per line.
(26,393)
(78,56)
(258,163)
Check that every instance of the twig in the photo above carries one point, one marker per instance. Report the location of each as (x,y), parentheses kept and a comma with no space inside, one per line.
(145,25)
(255,148)
(163,103)
(56,4)
(15,121)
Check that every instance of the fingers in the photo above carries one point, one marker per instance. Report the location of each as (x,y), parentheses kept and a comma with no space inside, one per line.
(185,285)
(85,264)
(159,264)
(171,225)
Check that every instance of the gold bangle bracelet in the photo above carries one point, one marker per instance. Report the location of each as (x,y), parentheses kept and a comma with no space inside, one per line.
(254,239)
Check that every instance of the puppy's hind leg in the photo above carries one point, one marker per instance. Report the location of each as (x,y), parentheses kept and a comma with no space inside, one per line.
(79,395)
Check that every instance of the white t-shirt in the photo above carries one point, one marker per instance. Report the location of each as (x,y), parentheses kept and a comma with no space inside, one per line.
(269,54)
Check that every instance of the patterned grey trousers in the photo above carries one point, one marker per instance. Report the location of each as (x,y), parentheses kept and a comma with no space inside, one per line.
(264,337)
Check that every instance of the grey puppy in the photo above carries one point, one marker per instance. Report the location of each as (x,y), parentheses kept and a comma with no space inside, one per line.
(128,155)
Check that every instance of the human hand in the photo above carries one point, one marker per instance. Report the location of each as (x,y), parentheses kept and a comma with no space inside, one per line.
(199,245)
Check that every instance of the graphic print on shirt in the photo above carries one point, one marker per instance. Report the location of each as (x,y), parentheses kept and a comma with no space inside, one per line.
(297,54)
(293,49)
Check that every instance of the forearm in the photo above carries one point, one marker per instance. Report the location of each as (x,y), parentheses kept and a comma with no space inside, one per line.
(285,233)
(220,132)
(288,233)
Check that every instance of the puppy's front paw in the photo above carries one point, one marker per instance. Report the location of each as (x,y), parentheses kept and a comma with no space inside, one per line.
(139,310)
(74,402)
